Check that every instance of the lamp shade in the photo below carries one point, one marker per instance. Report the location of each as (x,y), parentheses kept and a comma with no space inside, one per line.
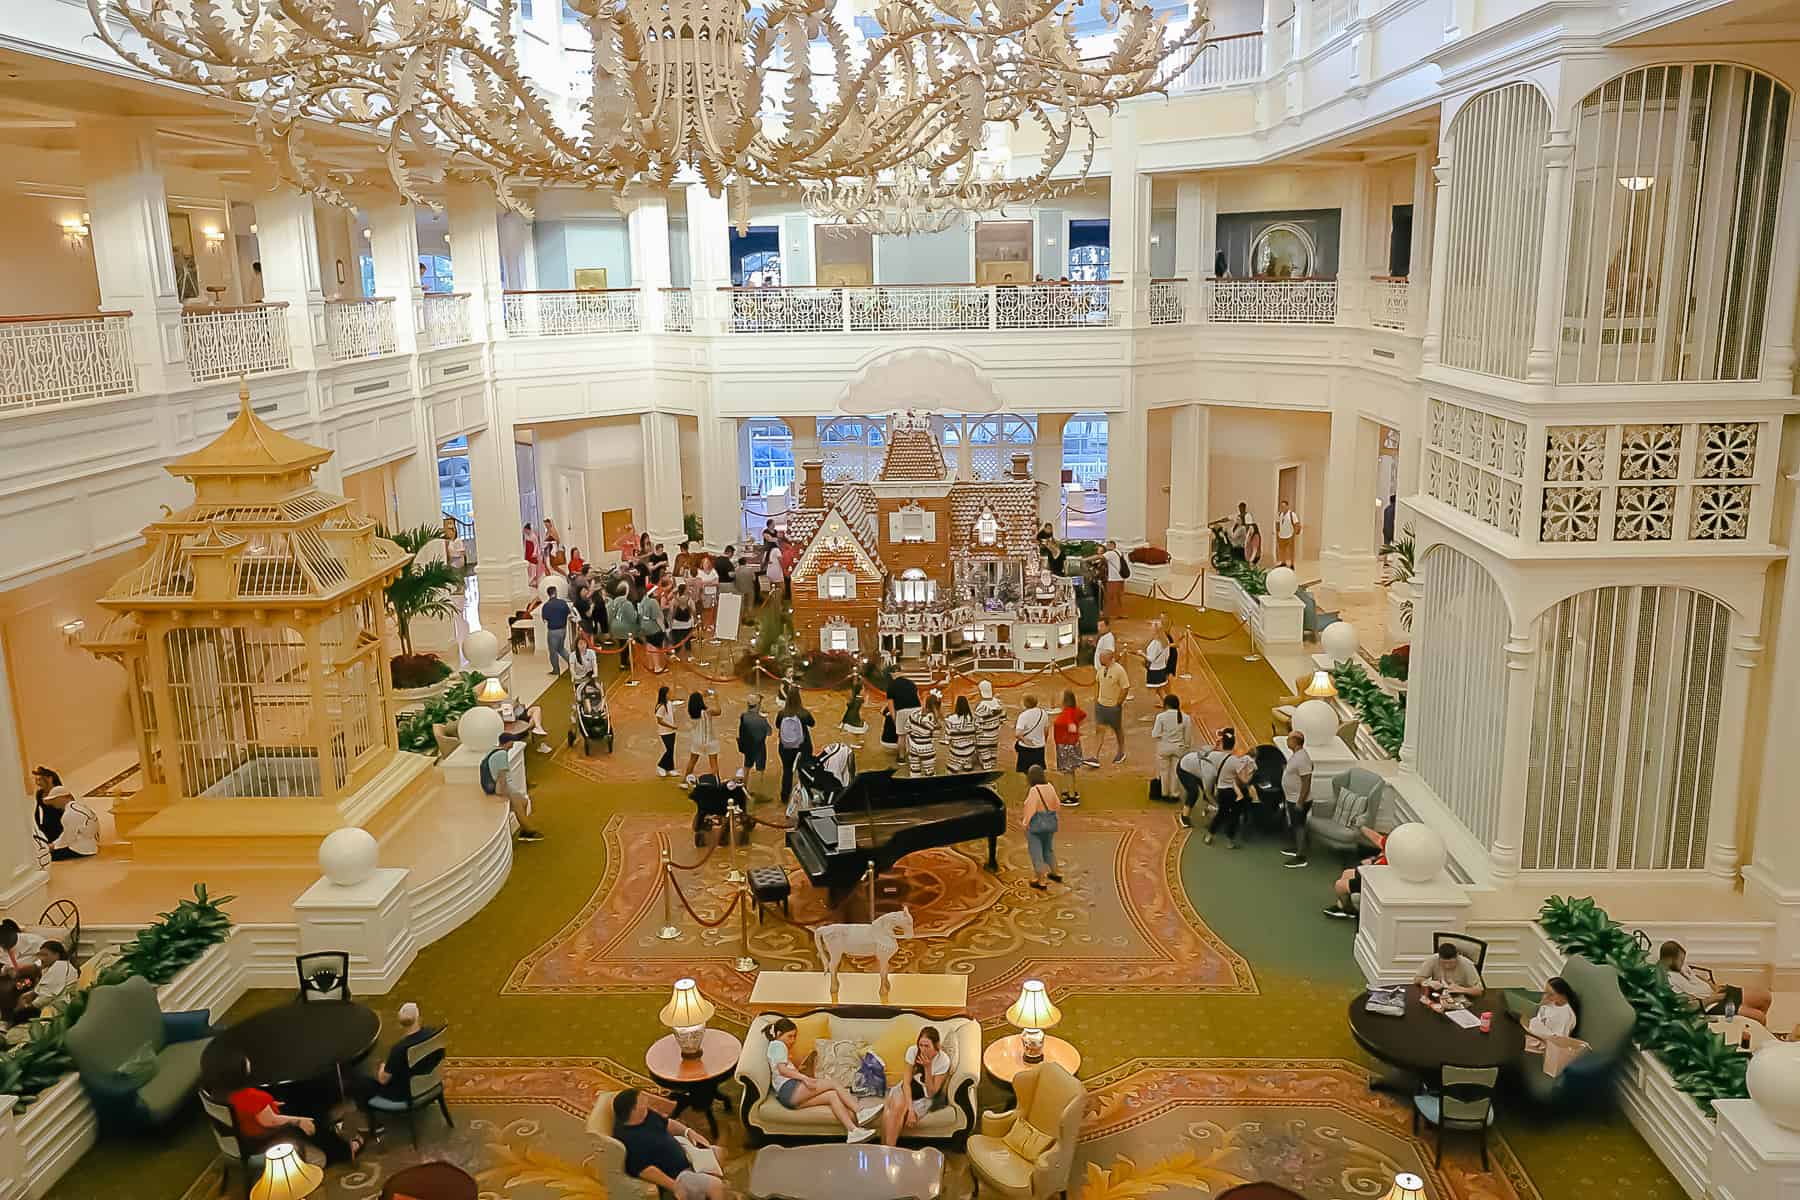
(286,1175)
(686,1007)
(1407,1187)
(1033,1010)
(491,691)
(1321,687)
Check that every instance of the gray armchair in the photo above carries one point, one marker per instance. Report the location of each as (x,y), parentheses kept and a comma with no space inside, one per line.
(138,1063)
(1358,797)
(1316,618)
(1605,1023)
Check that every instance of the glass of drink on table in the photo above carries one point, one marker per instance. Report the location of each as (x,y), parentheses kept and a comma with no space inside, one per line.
(1487,1022)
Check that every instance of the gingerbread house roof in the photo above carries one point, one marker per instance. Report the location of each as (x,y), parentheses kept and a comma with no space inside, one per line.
(1014,505)
(913,453)
(836,543)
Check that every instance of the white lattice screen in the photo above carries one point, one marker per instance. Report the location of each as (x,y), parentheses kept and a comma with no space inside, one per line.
(1623,731)
(1677,180)
(1458,688)
(242,707)
(1497,178)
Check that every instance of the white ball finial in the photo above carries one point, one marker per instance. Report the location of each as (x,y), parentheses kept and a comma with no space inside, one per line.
(1340,641)
(1317,720)
(480,728)
(1416,852)
(481,650)
(347,856)
(1282,583)
(1774,1083)
(553,581)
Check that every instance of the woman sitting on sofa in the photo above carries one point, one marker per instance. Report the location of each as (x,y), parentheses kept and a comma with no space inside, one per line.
(794,1089)
(927,1068)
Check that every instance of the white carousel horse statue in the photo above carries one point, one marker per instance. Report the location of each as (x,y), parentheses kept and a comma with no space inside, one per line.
(877,940)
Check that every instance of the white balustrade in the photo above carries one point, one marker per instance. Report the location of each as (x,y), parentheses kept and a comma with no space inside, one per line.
(1053,306)
(1227,61)
(903,308)
(361,328)
(1388,302)
(1273,301)
(678,310)
(1281,44)
(1327,20)
(573,313)
(1167,306)
(447,319)
(900,309)
(48,360)
(228,342)
(787,309)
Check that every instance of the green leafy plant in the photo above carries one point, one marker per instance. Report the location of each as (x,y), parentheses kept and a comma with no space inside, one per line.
(1081,548)
(1399,554)
(1383,715)
(1396,662)
(692,527)
(425,587)
(1668,1025)
(1252,578)
(415,727)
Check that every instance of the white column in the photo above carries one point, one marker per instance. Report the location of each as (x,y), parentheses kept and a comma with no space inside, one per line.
(1347,556)
(1515,763)
(1046,465)
(1723,849)
(21,879)
(709,259)
(1546,338)
(805,431)
(394,245)
(721,510)
(1353,251)
(518,252)
(1127,487)
(1189,475)
(1418,273)
(128,220)
(499,540)
(475,259)
(647,224)
(662,478)
(1196,241)
(965,453)
(1784,277)
(1773,876)
(1431,347)
(1128,228)
(288,241)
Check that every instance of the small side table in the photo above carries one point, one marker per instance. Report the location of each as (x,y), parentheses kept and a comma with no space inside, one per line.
(431,1181)
(1005,1057)
(695,1082)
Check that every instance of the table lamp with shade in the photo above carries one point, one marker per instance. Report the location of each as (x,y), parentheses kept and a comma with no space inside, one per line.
(491,691)
(1031,1014)
(1321,687)
(687,1013)
(1406,1187)
(286,1174)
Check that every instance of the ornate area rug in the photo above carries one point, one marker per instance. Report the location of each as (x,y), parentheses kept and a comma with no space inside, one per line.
(1120,924)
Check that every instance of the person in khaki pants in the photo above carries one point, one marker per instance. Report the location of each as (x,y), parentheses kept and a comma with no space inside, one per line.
(1287,531)
(1173,732)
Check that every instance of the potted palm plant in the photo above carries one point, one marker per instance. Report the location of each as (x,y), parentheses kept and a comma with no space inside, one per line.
(1399,581)
(427,588)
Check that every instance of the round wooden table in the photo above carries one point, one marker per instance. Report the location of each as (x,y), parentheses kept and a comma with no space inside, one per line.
(1005,1057)
(294,1043)
(431,1181)
(1422,1042)
(694,1082)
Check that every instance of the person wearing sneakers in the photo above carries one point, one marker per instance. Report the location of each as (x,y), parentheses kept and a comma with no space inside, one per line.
(665,729)
(1296,786)
(753,738)
(1234,784)
(989,713)
(496,780)
(1041,822)
(1065,732)
(1113,688)
(794,1089)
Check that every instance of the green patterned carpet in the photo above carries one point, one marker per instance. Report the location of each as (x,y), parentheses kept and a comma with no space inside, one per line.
(1193,1091)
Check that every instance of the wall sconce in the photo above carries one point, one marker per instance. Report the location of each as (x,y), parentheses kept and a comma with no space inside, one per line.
(75,229)
(72,631)
(215,237)
(253,227)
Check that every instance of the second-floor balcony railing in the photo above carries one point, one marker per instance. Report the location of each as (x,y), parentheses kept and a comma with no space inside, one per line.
(1227,61)
(225,342)
(910,308)
(447,319)
(1168,301)
(1388,302)
(359,328)
(60,358)
(678,310)
(1273,301)
(572,313)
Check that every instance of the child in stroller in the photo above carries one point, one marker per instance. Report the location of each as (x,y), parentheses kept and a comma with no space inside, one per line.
(589,718)
(821,778)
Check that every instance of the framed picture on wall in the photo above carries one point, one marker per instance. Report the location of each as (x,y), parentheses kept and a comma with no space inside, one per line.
(590,279)
(181,247)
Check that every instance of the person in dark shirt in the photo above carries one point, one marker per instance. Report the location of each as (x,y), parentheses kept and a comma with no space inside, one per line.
(653,1149)
(393,1078)
(556,629)
(753,738)
(903,698)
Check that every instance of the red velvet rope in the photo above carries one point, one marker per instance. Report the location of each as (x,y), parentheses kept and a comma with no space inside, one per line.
(736,899)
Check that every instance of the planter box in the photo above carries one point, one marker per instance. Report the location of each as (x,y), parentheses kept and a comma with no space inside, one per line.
(1144,577)
(1272,622)
(1667,1118)
(411,700)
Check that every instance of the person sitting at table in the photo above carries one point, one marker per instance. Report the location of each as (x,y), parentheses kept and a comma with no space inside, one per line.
(1711,998)
(656,1147)
(1557,1015)
(1449,971)
(56,975)
(258,1115)
(17,948)
(393,1078)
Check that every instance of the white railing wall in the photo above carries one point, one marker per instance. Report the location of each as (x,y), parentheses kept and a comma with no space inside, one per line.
(573,313)
(905,308)
(678,310)
(225,343)
(1273,301)
(1326,20)
(1168,301)
(1233,59)
(1281,44)
(447,319)
(1388,299)
(59,359)
(361,328)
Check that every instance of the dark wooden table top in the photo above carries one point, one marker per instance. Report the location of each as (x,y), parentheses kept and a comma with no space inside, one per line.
(1423,1041)
(718,1057)
(295,1042)
(431,1181)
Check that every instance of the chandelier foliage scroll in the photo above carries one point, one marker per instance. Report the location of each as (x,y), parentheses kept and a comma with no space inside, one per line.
(795,93)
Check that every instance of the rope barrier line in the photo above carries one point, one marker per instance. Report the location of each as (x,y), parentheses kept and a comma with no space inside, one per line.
(711,846)
(1157,588)
(736,899)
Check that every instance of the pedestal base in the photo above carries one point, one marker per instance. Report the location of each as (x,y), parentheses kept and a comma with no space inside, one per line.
(803,991)
(1398,918)
(371,921)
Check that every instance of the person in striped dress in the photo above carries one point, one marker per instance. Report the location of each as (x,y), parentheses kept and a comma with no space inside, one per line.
(959,735)
(921,737)
(989,715)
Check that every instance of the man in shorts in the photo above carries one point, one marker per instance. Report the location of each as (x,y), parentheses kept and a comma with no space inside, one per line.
(1114,686)
(657,1147)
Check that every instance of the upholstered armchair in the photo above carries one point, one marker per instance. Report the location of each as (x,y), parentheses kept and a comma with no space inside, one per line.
(612,1154)
(138,1063)
(1605,1024)
(1052,1102)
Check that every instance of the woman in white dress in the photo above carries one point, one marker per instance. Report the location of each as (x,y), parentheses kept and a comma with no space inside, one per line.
(703,733)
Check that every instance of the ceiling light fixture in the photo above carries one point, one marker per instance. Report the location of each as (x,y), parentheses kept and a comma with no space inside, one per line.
(1637,183)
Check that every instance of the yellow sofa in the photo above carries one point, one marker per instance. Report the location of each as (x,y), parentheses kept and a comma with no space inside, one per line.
(1054,1102)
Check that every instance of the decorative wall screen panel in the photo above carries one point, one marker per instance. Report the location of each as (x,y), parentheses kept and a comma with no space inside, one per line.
(1458,691)
(1676,183)
(1624,724)
(1497,178)
(1475,461)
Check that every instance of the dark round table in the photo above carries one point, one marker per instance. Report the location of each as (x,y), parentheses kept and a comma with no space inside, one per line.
(1423,1042)
(295,1043)
(694,1082)
(431,1181)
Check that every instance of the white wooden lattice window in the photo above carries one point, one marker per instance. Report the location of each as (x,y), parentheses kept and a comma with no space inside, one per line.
(912,524)
(913,587)
(837,585)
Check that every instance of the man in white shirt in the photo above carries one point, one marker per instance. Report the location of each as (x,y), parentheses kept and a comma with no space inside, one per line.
(17,948)
(1028,736)
(1106,643)
(1296,786)
(80,834)
(1114,596)
(1287,527)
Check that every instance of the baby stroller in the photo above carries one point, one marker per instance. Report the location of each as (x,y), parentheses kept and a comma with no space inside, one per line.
(821,778)
(588,718)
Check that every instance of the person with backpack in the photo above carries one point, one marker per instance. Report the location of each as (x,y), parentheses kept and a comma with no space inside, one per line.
(1117,572)
(793,732)
(1233,790)
(496,780)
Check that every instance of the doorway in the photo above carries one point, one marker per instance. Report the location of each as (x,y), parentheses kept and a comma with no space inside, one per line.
(1289,485)
(571,501)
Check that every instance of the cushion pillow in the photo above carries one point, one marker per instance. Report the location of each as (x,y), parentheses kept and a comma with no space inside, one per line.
(811,1028)
(838,1060)
(901,1032)
(1027,1140)
(139,1066)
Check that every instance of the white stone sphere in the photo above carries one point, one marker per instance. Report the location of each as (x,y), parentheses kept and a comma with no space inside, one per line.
(481,649)
(1416,852)
(1339,640)
(347,856)
(1774,1083)
(553,581)
(480,728)
(1282,583)
(1317,720)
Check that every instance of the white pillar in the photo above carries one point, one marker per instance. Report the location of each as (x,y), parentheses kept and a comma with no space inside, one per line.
(1773,876)
(1127,487)
(1353,251)
(1784,277)
(1196,241)
(21,879)
(128,220)
(1723,848)
(1418,271)
(721,509)
(662,478)
(518,252)
(709,259)
(394,245)
(1546,338)
(494,491)
(805,432)
(1431,347)
(1347,555)
(1189,479)
(475,259)
(1515,763)
(1046,465)
(1128,227)
(647,224)
(288,240)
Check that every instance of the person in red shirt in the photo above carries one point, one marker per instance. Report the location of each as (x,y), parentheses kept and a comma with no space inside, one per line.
(1065,731)
(1350,882)
(258,1115)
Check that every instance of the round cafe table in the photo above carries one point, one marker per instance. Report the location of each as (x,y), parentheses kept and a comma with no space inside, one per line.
(694,1082)
(1422,1042)
(431,1181)
(295,1043)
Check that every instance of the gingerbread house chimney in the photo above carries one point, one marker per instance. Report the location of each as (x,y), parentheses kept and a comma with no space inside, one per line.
(1021,465)
(812,484)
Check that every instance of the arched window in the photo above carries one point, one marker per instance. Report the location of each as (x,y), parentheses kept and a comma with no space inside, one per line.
(852,447)
(768,456)
(914,588)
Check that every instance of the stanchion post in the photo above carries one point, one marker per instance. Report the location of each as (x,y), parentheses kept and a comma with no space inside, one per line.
(733,814)
(631,663)
(869,871)
(668,932)
(746,962)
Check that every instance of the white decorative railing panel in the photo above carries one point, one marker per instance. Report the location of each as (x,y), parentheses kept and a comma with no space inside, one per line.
(1274,301)
(1167,306)
(225,343)
(447,319)
(1326,20)
(1053,306)
(1388,303)
(1233,59)
(573,313)
(678,310)
(57,359)
(787,310)
(899,309)
(362,328)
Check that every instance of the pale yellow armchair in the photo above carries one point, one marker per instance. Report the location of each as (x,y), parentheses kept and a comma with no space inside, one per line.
(1053,1103)
(612,1154)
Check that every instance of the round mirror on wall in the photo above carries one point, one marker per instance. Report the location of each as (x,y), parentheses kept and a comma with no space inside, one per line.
(1282,251)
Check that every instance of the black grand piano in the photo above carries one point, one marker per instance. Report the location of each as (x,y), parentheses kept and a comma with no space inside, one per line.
(892,818)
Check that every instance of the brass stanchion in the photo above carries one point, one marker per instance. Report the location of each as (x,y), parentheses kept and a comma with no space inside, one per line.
(745,961)
(870,872)
(668,932)
(733,814)
(1191,648)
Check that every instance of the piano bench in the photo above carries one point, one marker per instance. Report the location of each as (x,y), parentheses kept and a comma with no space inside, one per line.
(769,885)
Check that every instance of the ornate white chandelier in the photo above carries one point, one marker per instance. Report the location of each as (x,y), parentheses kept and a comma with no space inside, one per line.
(795,94)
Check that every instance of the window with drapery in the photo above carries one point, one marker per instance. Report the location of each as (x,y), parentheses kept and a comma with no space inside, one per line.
(914,587)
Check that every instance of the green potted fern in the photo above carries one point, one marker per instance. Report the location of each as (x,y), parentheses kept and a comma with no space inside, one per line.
(426,589)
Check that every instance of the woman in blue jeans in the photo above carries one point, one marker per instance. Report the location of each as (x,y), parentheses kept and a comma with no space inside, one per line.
(1041,809)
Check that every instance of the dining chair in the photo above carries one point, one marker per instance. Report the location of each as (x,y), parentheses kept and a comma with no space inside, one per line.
(1464,1103)
(220,1120)
(425,1083)
(324,975)
(1472,948)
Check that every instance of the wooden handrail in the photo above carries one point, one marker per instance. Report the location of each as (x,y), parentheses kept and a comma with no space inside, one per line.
(93,316)
(231,308)
(1271,279)
(450,295)
(565,291)
(1388,278)
(869,287)
(675,289)
(1234,37)
(362,300)
(1168,279)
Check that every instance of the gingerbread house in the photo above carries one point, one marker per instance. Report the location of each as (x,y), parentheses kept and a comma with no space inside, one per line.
(933,570)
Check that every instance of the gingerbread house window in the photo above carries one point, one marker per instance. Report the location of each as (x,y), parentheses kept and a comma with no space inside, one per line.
(839,639)
(987,528)
(837,585)
(912,524)
(913,587)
